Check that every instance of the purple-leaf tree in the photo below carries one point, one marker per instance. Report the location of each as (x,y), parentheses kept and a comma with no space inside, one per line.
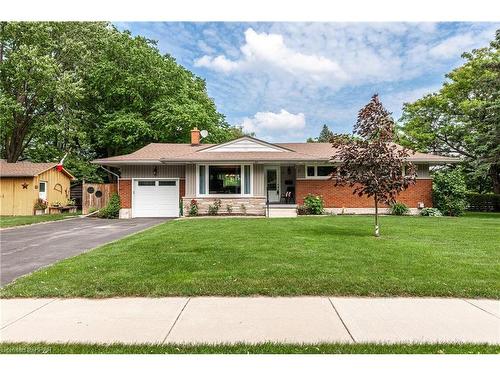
(370,162)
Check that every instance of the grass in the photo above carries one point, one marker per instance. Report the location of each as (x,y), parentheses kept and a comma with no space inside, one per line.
(268,348)
(14,221)
(336,255)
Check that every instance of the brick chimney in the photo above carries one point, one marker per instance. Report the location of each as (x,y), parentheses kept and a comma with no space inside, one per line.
(195,137)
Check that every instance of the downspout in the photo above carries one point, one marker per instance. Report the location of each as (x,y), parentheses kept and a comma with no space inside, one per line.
(114,174)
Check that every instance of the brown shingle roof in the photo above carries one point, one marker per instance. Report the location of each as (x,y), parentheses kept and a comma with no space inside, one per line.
(25,169)
(185,153)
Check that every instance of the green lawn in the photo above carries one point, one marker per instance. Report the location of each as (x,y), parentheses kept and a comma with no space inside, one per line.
(335,255)
(14,221)
(42,348)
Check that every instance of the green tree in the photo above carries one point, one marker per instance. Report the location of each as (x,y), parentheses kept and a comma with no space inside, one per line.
(449,192)
(463,118)
(93,91)
(325,135)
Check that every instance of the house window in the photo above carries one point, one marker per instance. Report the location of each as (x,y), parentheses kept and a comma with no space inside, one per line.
(146,183)
(246,170)
(167,183)
(325,170)
(224,179)
(319,171)
(202,180)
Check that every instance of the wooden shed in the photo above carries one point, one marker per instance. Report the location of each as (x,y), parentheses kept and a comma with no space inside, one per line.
(22,183)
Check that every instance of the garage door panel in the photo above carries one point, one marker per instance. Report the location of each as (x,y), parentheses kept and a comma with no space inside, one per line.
(156,198)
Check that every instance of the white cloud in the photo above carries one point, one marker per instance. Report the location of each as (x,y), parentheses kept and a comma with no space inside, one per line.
(453,46)
(219,63)
(278,124)
(270,51)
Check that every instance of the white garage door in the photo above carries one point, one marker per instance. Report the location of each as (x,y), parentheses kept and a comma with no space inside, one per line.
(156,198)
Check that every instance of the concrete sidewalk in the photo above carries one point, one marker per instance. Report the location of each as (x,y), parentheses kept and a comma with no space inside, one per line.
(250,320)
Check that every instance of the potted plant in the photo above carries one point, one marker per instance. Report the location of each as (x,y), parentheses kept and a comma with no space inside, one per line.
(40,206)
(71,205)
(55,208)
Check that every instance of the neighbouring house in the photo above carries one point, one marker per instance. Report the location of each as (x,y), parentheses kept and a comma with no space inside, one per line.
(22,183)
(244,174)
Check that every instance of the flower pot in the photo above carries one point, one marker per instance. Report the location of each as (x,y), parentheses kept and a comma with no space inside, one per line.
(39,212)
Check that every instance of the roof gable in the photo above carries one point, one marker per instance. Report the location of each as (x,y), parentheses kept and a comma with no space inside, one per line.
(27,169)
(246,144)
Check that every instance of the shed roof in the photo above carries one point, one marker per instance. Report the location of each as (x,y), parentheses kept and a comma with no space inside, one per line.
(26,169)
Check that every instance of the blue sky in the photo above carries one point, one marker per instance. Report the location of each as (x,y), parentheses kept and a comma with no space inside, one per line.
(284,80)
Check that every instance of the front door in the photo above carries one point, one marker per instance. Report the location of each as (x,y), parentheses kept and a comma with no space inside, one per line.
(273,184)
(42,190)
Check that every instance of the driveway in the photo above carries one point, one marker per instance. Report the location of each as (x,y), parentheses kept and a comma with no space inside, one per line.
(27,248)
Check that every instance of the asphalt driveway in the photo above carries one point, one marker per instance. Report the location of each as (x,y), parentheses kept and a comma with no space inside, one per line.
(27,248)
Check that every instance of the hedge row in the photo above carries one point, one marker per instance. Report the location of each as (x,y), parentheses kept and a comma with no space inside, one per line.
(483,202)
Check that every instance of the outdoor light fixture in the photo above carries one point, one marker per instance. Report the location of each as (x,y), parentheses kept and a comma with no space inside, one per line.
(155,171)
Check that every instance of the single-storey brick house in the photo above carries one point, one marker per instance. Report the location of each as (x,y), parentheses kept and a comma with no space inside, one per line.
(245,174)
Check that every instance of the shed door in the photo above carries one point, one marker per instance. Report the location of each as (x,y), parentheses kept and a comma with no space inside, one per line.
(156,198)
(42,190)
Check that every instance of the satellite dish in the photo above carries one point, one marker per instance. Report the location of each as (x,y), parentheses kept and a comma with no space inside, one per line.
(204,133)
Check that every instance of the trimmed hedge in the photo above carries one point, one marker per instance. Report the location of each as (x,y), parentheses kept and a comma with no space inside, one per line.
(483,202)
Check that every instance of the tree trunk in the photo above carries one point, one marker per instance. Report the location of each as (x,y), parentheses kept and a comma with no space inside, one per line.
(377,231)
(495,177)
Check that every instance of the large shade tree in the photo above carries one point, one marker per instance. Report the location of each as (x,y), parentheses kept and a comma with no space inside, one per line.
(463,118)
(371,163)
(91,90)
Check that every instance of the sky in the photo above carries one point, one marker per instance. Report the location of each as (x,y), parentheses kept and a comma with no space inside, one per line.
(284,80)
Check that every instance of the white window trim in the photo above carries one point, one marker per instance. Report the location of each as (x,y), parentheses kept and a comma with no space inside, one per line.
(46,192)
(316,177)
(207,195)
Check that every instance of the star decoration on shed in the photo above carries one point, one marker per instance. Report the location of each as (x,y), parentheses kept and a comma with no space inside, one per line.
(24,185)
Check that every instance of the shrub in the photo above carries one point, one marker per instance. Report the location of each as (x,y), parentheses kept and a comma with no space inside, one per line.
(193,208)
(229,209)
(301,210)
(483,202)
(314,204)
(40,204)
(112,210)
(430,211)
(449,192)
(213,209)
(91,210)
(399,209)
(70,202)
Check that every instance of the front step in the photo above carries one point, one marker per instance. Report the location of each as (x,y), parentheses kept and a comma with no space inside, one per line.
(288,211)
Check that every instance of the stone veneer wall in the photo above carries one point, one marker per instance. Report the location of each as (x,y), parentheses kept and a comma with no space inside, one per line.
(254,205)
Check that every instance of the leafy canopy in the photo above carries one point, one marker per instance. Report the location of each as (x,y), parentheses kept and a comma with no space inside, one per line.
(93,91)
(371,163)
(463,118)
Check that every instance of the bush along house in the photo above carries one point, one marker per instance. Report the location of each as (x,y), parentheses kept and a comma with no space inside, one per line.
(246,176)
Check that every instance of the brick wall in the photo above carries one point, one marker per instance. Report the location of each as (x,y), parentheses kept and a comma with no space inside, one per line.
(341,196)
(125,192)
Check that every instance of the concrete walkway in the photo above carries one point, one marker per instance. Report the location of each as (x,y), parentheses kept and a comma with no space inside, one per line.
(250,320)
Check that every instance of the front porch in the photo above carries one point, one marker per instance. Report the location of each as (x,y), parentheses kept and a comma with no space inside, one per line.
(280,184)
(281,210)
